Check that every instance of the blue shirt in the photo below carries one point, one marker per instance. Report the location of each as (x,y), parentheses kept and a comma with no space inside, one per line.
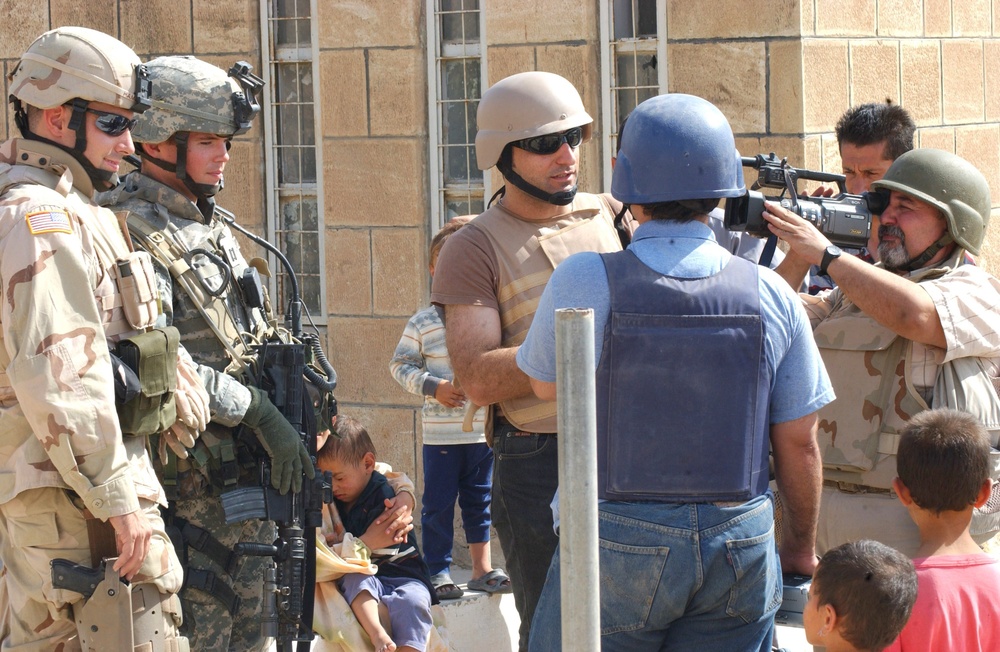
(799,385)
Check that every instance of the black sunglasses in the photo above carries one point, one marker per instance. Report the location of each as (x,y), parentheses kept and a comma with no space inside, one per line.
(113,124)
(550,143)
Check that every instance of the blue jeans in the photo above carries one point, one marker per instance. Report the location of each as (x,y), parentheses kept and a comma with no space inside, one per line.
(455,470)
(678,577)
(525,476)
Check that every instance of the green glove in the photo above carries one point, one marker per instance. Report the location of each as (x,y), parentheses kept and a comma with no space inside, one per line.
(288,454)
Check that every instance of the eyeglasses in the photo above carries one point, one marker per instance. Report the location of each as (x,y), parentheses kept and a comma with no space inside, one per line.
(550,143)
(113,124)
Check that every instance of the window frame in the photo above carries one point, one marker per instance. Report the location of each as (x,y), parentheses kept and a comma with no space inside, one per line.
(271,56)
(609,46)
(437,52)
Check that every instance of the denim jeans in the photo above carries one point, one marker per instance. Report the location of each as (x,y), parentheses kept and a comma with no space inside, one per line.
(452,471)
(525,476)
(678,577)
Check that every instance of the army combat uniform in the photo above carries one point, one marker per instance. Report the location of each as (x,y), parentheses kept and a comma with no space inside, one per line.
(64,465)
(222,595)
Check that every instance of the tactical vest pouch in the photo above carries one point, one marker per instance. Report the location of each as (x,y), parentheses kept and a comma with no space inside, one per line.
(153,357)
(137,285)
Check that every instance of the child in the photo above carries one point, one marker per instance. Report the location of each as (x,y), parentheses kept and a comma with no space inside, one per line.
(401,589)
(861,596)
(943,463)
(456,463)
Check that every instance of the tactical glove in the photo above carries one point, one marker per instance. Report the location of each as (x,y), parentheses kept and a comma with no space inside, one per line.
(289,457)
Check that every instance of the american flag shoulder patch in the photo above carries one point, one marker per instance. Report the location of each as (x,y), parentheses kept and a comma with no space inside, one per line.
(48,221)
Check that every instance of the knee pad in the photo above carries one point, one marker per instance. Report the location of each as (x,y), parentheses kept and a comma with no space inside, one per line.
(156,618)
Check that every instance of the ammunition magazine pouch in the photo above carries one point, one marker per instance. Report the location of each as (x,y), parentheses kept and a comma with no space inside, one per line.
(153,357)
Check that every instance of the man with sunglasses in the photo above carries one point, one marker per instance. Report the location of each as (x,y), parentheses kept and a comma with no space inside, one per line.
(919,329)
(71,486)
(489,277)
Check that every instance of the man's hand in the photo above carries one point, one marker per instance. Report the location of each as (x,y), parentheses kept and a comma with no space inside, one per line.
(448,395)
(132,535)
(398,516)
(804,239)
(289,457)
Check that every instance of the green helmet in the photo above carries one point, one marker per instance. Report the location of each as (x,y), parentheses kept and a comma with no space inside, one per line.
(949,183)
(76,63)
(190,95)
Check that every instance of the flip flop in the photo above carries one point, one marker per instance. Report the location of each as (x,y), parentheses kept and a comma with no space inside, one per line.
(496,581)
(444,588)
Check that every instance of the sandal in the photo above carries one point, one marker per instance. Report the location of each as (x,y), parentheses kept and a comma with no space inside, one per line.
(444,588)
(496,581)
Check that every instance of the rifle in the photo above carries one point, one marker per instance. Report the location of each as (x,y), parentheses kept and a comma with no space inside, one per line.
(282,369)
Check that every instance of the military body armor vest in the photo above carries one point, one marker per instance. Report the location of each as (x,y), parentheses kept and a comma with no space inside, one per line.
(683,386)
(524,272)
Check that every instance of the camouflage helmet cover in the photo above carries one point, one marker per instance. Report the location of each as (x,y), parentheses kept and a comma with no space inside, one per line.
(76,62)
(949,183)
(189,95)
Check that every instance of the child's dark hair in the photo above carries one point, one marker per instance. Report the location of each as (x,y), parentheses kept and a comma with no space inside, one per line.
(349,442)
(872,587)
(943,459)
(452,225)
(878,122)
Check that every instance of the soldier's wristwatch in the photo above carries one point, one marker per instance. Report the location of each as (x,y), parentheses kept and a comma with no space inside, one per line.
(831,254)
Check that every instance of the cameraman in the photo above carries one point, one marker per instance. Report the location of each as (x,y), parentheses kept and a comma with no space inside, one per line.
(869,137)
(917,330)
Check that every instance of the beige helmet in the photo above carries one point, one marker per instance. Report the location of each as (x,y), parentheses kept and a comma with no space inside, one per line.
(526,105)
(191,95)
(70,63)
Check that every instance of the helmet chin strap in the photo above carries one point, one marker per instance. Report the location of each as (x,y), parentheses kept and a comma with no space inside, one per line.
(204,192)
(102,179)
(506,167)
(929,252)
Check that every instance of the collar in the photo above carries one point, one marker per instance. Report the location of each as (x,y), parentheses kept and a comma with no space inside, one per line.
(50,159)
(668,229)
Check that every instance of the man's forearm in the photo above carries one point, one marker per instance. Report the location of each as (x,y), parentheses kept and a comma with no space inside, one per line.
(493,377)
(798,470)
(793,269)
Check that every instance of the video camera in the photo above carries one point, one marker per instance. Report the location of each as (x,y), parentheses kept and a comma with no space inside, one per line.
(845,219)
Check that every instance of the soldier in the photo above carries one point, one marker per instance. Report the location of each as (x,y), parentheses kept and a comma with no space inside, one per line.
(918,330)
(215,298)
(71,287)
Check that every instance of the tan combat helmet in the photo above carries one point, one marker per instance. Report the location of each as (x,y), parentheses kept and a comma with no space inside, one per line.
(523,106)
(193,96)
(79,63)
(950,184)
(76,66)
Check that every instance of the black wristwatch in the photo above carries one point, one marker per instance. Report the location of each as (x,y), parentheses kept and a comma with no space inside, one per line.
(831,254)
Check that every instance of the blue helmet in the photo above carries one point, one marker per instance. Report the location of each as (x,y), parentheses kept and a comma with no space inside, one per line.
(676,147)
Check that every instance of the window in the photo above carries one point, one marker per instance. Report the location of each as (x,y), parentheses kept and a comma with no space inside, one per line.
(633,62)
(294,157)
(456,71)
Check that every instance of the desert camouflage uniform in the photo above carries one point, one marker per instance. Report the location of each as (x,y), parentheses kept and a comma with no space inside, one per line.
(62,456)
(882,380)
(213,466)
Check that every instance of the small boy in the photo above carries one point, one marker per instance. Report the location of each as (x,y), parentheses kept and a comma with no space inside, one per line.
(943,464)
(402,587)
(457,461)
(861,596)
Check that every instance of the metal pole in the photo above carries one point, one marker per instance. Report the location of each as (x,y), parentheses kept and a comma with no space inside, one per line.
(578,567)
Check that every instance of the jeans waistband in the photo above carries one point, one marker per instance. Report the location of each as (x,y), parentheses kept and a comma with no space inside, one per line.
(499,421)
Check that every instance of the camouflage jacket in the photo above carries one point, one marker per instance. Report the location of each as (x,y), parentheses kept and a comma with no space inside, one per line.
(171,213)
(882,379)
(60,302)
